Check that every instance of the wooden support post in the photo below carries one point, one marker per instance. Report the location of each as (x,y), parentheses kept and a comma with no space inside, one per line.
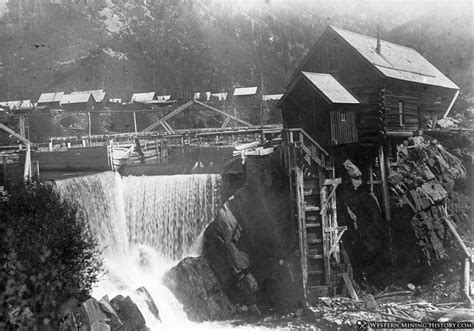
(50,146)
(27,169)
(386,197)
(371,179)
(89,124)
(467,280)
(84,144)
(300,203)
(37,169)
(135,121)
(350,287)
(4,162)
(22,126)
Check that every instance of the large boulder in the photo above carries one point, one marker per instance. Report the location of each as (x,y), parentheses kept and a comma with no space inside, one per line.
(195,285)
(128,313)
(113,319)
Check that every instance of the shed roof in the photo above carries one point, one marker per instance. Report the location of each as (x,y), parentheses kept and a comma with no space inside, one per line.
(327,85)
(50,97)
(98,95)
(241,91)
(396,61)
(75,98)
(143,97)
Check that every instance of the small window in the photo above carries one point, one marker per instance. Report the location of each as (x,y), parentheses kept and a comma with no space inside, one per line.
(401,109)
(343,116)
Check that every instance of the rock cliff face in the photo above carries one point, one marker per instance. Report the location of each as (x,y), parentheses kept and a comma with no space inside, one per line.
(249,252)
(420,185)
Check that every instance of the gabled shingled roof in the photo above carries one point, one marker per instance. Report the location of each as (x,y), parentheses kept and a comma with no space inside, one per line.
(75,98)
(396,61)
(143,97)
(98,95)
(50,97)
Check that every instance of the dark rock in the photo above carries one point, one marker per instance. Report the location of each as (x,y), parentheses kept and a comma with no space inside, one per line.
(129,313)
(247,284)
(143,292)
(113,320)
(195,285)
(92,318)
(238,259)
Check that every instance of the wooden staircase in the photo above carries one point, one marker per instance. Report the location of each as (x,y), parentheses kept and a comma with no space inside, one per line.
(313,195)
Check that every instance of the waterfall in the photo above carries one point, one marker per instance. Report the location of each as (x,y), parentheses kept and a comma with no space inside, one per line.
(169,212)
(144,225)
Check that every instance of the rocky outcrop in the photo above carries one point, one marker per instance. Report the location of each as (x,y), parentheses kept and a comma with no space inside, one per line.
(120,313)
(113,319)
(419,187)
(250,245)
(91,316)
(195,285)
(420,183)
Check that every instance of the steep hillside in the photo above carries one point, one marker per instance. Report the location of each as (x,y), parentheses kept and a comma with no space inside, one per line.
(184,46)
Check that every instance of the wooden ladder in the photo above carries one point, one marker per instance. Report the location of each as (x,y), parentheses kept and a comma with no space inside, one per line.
(313,194)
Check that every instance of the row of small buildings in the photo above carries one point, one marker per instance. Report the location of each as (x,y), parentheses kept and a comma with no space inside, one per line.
(92,100)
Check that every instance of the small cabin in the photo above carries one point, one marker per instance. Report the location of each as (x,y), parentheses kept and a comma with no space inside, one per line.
(51,100)
(247,103)
(80,102)
(321,106)
(398,90)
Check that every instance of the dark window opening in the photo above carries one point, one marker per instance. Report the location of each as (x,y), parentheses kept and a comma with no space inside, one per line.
(343,116)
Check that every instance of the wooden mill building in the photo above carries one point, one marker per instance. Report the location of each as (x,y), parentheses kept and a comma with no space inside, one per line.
(352,97)
(397,88)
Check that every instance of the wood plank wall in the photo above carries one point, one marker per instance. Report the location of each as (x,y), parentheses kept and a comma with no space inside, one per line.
(74,159)
(343,132)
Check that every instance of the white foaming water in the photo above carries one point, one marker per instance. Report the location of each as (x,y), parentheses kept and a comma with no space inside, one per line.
(145,225)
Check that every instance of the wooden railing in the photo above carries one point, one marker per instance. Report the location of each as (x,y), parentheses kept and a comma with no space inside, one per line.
(301,138)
